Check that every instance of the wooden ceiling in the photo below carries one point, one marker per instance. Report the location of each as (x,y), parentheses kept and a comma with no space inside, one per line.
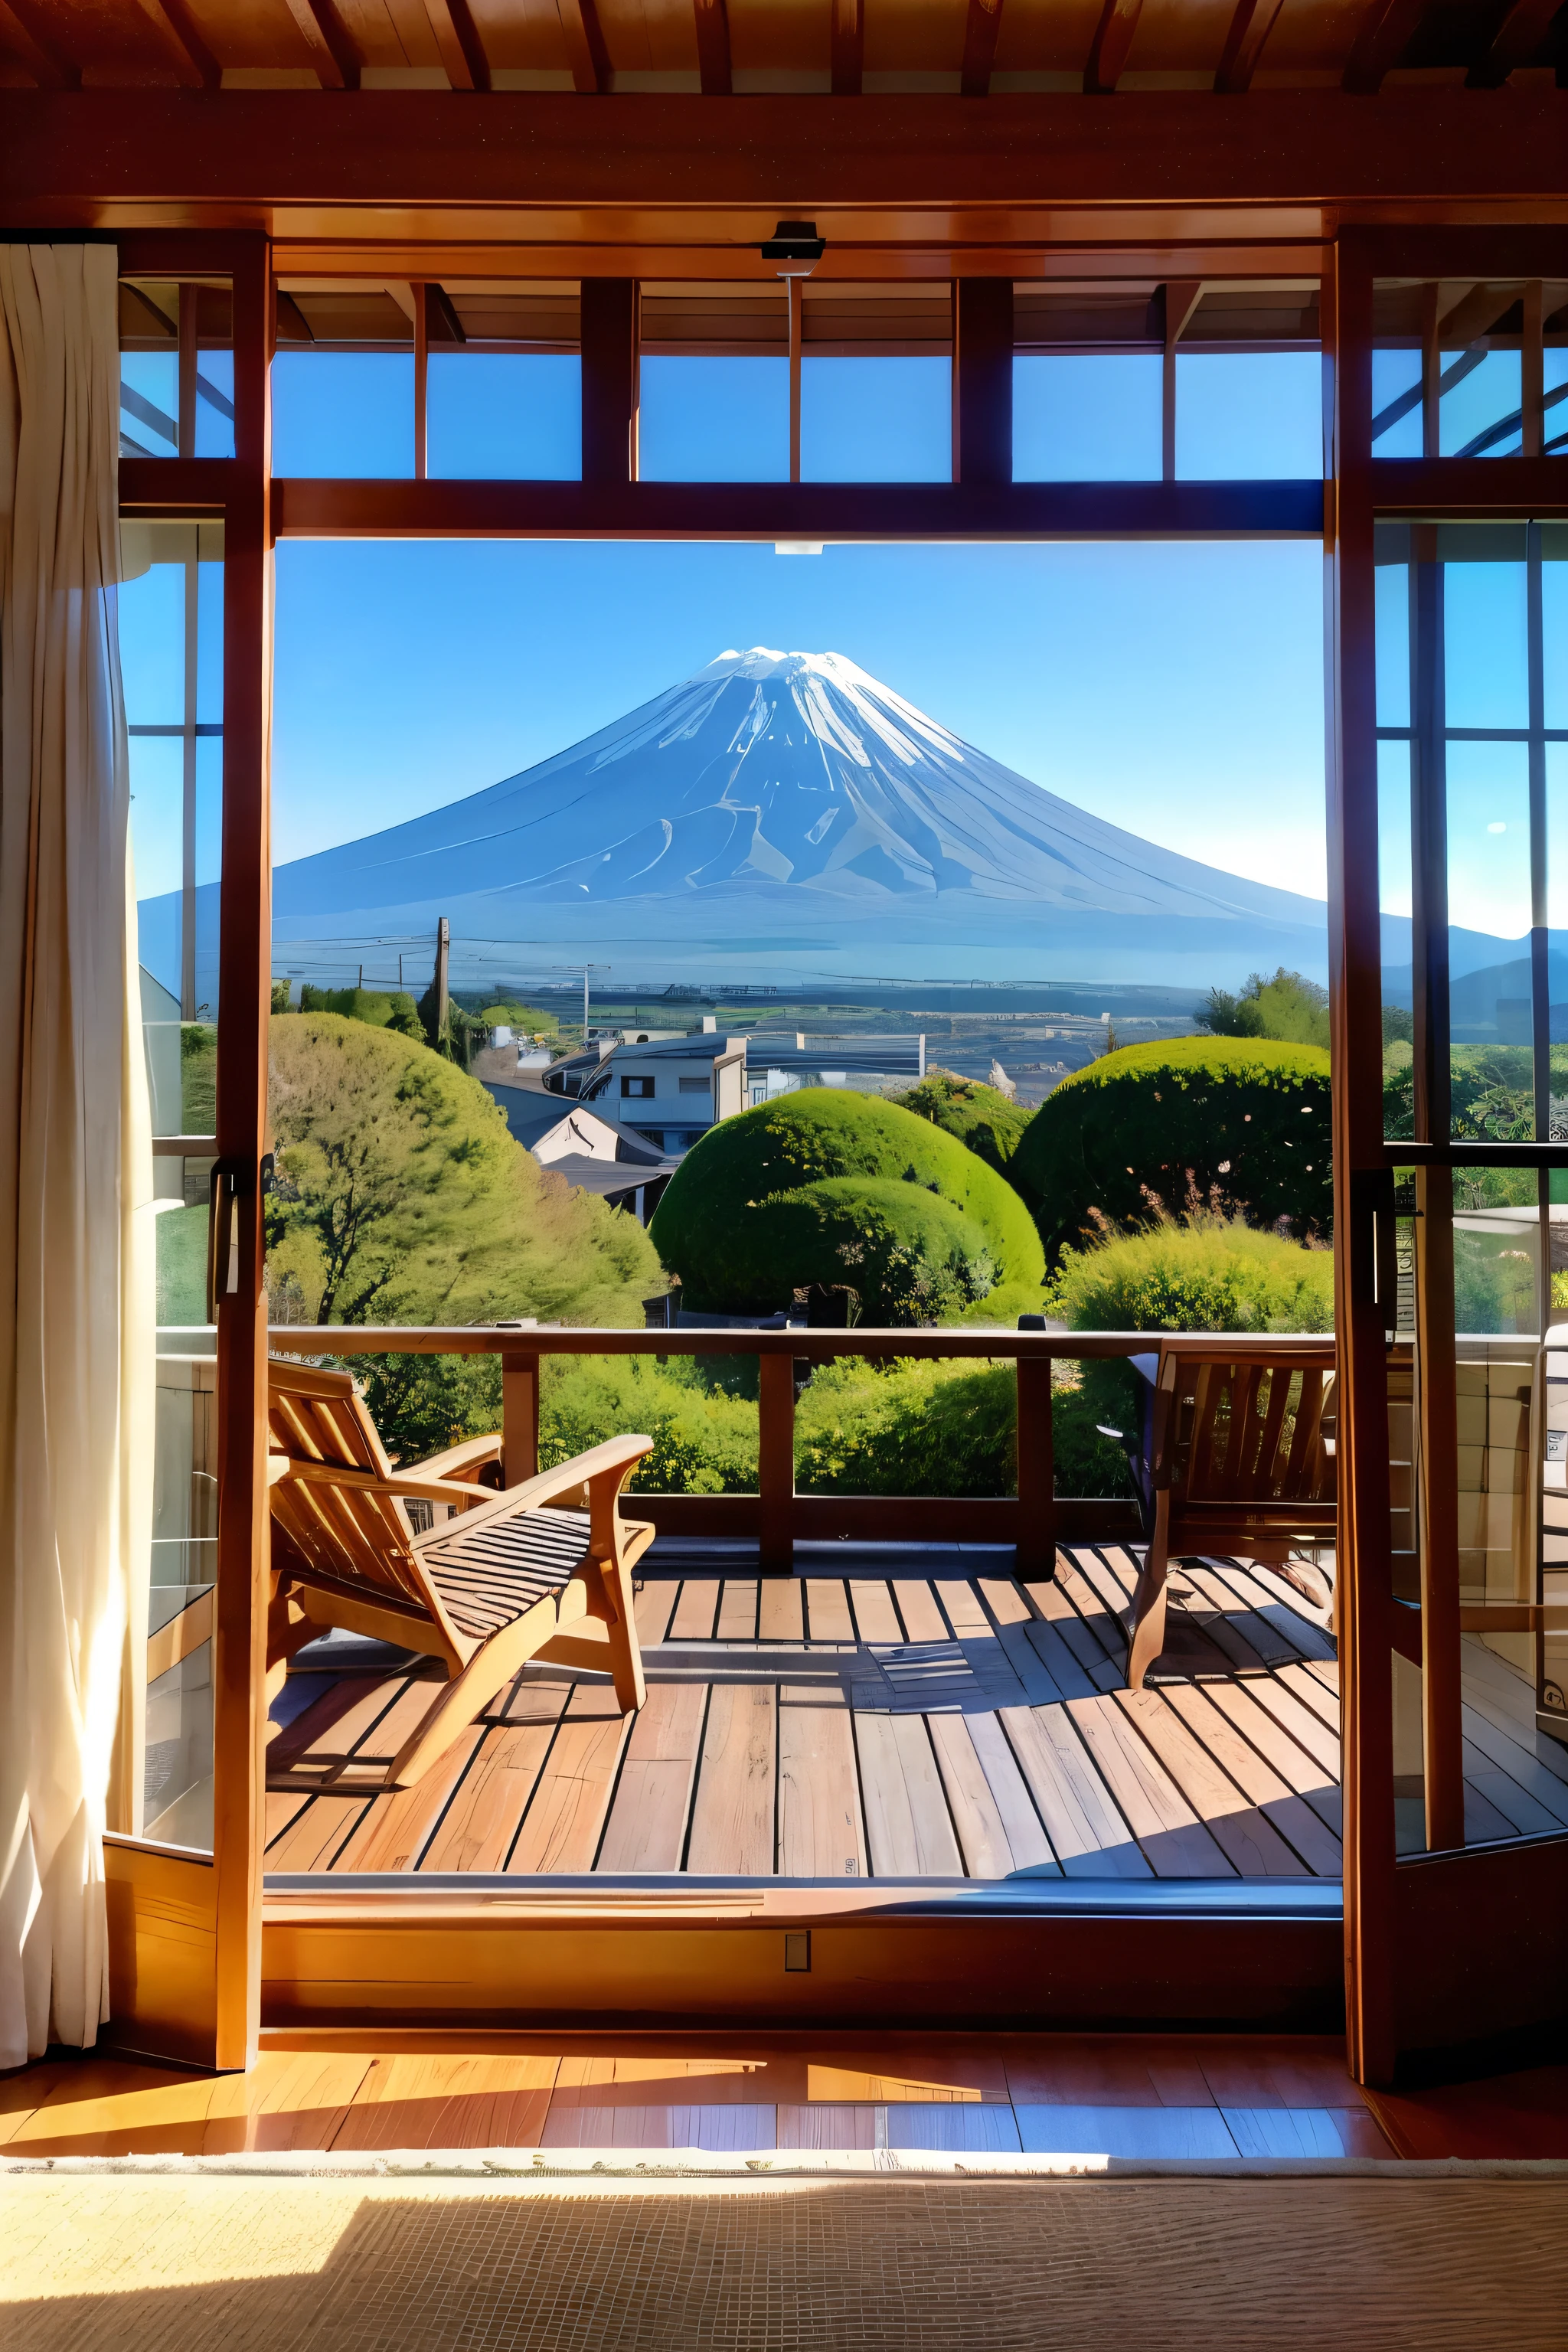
(746,47)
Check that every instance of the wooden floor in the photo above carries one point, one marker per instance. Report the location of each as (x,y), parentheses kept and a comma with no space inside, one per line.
(1130,2096)
(943,1726)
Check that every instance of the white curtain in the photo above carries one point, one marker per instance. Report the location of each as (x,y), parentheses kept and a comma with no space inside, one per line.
(75,1230)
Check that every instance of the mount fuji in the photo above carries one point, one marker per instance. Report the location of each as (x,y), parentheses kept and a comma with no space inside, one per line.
(787,812)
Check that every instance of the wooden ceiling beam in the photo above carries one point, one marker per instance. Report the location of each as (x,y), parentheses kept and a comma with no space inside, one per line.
(713,47)
(1514,43)
(1108,50)
(586,51)
(848,47)
(332,49)
(456,37)
(24,31)
(980,31)
(1250,26)
(194,62)
(1386,32)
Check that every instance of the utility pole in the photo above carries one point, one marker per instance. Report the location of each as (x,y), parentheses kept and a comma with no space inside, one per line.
(586,968)
(443,952)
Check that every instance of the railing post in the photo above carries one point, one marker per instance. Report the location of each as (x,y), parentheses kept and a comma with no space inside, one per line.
(1036,1470)
(775,1463)
(519,1415)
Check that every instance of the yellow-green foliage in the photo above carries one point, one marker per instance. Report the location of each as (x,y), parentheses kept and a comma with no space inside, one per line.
(1242,1121)
(1207,1274)
(824,1186)
(982,1118)
(402,1197)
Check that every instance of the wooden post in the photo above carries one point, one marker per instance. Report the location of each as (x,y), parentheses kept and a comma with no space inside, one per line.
(240,1642)
(519,1415)
(1363,1544)
(421,294)
(983,379)
(1036,1470)
(1437,1405)
(1182,298)
(185,432)
(775,1463)
(608,335)
(794,289)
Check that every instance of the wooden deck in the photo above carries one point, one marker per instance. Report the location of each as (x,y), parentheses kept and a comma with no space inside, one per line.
(942,1726)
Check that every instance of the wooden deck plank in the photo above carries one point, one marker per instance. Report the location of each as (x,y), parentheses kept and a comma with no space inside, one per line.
(828,1610)
(696,1609)
(780,1614)
(920,1610)
(1059,1622)
(375,1753)
(1089,1835)
(1004,1599)
(962,1604)
(1313,1693)
(653,1608)
(1040,1685)
(876,1619)
(1267,1601)
(1102,1618)
(646,1827)
(314,1749)
(1525,1816)
(820,1829)
(1250,1844)
(1550,1754)
(908,1826)
(1303,1723)
(733,1813)
(1056,1655)
(1484,1824)
(1165,1824)
(738,1609)
(479,1826)
(999,1833)
(1291,1815)
(1502,1750)
(312,1840)
(283,1806)
(1318,1783)
(397,1827)
(560,1829)
(1234,1622)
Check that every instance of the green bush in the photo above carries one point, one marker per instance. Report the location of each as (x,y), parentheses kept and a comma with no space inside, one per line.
(1288,1007)
(198,1078)
(733,1229)
(907,1428)
(1207,1274)
(1242,1123)
(180,1240)
(982,1118)
(391,1009)
(1492,1087)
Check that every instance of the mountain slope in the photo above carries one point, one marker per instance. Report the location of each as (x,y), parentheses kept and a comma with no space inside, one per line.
(790,809)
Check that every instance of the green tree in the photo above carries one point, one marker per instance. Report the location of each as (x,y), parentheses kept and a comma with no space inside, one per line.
(1241,1125)
(982,1118)
(1288,1008)
(830,1186)
(401,1197)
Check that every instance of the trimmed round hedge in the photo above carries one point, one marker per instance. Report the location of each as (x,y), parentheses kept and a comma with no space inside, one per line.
(983,1119)
(832,1187)
(1244,1121)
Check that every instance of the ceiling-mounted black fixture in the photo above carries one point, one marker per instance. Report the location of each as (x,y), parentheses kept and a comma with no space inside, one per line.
(796,248)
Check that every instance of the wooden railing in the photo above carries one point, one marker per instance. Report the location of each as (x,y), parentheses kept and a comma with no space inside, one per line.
(1035,1519)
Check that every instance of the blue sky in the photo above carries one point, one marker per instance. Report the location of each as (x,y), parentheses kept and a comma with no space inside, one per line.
(1175,689)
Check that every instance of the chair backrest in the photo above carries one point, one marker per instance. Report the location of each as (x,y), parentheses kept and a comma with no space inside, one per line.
(341,1535)
(1244,1440)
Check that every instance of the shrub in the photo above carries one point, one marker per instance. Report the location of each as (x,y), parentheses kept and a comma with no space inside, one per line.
(732,1226)
(1290,1007)
(907,1428)
(1243,1121)
(982,1118)
(1208,1273)
(391,1009)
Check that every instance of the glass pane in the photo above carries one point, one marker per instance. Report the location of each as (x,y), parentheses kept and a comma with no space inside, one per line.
(1478,405)
(1497,1255)
(1486,661)
(150,327)
(714,420)
(1489,902)
(1554,623)
(1396,404)
(1393,873)
(1554,384)
(1087,418)
(875,420)
(505,416)
(1557,940)
(177,1794)
(171,651)
(215,404)
(1249,416)
(149,404)
(346,413)
(1392,625)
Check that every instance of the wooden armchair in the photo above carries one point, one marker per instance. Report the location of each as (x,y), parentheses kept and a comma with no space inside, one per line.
(491,1580)
(1234,1459)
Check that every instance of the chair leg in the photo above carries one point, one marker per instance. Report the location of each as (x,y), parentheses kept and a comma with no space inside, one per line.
(1146,1620)
(625,1650)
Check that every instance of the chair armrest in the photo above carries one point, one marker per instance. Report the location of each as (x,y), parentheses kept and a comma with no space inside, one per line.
(283,1469)
(611,1463)
(458,1461)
